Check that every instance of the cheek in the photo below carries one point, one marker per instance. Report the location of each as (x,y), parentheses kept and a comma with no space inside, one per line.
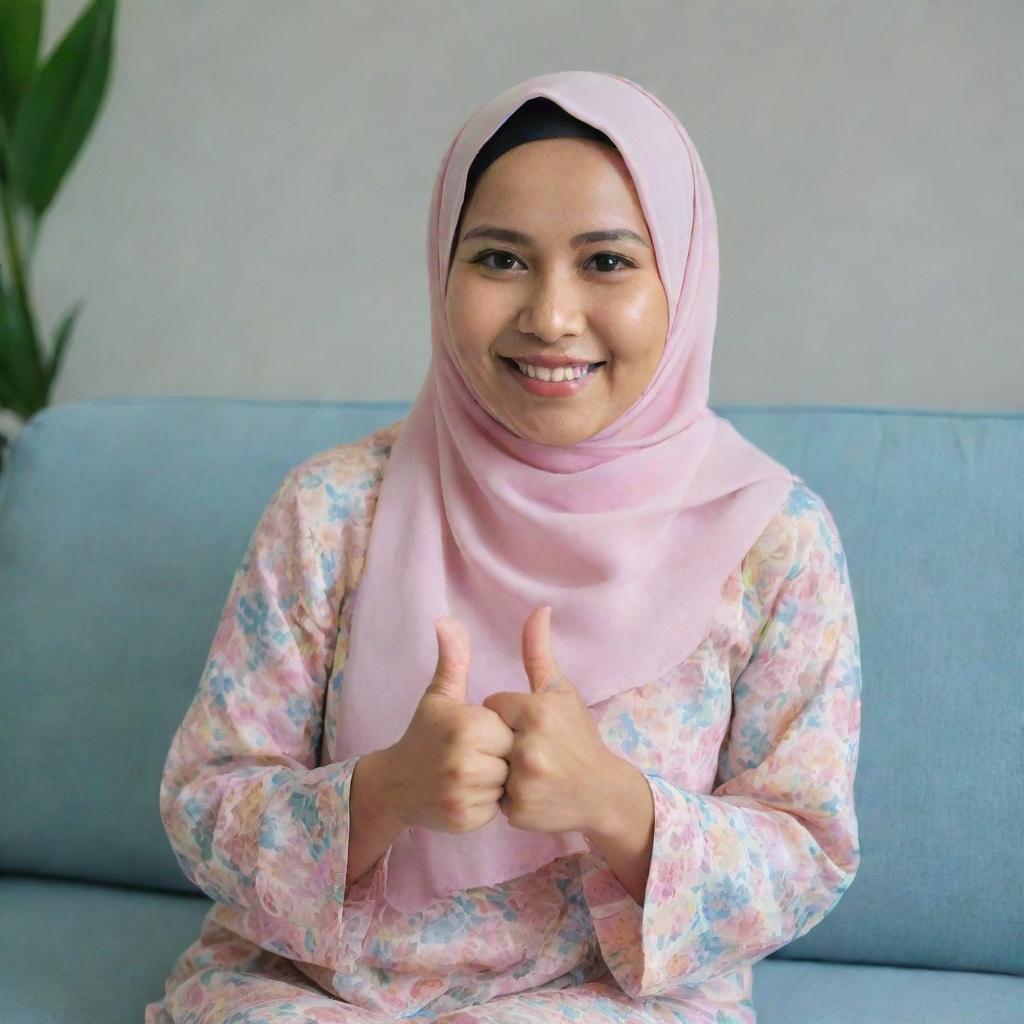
(636,327)
(473,319)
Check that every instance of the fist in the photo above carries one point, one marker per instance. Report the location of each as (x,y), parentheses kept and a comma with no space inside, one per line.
(558,759)
(451,764)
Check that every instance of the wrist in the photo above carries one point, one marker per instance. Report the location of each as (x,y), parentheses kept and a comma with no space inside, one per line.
(385,788)
(612,793)
(372,824)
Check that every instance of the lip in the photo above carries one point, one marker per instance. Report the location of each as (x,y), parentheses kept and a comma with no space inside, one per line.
(549,388)
(552,362)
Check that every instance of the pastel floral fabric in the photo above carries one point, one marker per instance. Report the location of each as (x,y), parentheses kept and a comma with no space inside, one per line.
(752,848)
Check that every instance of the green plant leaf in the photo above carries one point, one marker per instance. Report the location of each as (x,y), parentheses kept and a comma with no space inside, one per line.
(8,398)
(26,230)
(20,371)
(57,114)
(60,340)
(20,24)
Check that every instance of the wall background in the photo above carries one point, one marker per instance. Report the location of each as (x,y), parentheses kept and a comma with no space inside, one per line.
(249,215)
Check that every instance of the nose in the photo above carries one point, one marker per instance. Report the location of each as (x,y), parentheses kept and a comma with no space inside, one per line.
(553,309)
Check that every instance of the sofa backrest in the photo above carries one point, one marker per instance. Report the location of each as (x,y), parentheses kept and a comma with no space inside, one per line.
(123,520)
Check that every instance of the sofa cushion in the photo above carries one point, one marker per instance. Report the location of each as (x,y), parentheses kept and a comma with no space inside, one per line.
(87,953)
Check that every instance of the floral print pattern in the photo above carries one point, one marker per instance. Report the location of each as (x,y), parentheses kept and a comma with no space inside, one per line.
(749,746)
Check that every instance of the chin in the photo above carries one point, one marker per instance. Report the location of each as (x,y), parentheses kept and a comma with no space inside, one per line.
(551,437)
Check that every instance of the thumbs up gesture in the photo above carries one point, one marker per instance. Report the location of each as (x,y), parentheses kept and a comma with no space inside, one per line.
(559,764)
(447,771)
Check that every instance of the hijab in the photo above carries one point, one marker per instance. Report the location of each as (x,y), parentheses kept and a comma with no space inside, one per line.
(629,535)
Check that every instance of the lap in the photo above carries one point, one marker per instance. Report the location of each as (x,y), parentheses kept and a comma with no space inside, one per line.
(222,977)
(592,1001)
(215,996)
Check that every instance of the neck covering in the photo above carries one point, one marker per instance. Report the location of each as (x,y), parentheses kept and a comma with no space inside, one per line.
(629,535)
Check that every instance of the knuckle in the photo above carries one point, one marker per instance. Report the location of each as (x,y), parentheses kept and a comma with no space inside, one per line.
(451,806)
(531,761)
(542,716)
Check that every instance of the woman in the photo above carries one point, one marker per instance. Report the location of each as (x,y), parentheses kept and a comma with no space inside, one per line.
(573,732)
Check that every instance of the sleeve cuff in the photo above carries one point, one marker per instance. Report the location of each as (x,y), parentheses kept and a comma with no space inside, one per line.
(369,888)
(628,933)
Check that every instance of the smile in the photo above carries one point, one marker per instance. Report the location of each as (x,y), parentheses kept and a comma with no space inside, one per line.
(550,388)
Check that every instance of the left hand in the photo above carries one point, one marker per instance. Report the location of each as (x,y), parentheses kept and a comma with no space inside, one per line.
(559,763)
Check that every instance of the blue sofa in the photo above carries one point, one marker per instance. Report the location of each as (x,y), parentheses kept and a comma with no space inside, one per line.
(122,521)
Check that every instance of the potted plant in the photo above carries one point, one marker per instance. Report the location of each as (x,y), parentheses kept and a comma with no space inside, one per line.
(46,113)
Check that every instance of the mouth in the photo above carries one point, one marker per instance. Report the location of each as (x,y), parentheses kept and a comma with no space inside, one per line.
(550,388)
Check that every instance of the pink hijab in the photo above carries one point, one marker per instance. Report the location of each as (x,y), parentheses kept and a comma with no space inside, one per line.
(629,535)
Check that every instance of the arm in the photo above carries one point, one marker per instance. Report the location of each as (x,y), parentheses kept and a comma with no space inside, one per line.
(738,873)
(252,819)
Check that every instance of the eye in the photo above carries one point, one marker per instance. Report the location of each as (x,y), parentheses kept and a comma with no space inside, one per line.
(614,256)
(503,254)
(488,253)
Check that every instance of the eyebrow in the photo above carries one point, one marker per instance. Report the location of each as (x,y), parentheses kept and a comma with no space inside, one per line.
(586,238)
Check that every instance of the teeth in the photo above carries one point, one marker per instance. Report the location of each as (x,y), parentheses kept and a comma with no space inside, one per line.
(558,374)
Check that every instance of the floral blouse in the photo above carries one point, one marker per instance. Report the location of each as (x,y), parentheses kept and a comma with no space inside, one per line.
(762,720)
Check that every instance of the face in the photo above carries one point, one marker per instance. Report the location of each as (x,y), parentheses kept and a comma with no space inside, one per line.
(526,281)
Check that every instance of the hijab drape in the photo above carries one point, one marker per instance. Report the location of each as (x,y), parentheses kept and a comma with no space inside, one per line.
(629,535)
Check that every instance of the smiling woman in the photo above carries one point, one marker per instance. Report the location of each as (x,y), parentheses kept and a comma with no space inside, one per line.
(415,793)
(556,297)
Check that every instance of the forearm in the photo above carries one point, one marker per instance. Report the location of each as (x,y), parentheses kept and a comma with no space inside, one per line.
(623,826)
(373,822)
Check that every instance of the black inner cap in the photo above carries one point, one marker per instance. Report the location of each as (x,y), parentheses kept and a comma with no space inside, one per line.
(539,118)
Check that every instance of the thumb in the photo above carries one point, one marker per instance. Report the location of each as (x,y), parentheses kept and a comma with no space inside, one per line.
(538,658)
(452,672)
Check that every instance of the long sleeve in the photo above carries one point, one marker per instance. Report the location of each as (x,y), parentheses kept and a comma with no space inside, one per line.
(253,820)
(740,872)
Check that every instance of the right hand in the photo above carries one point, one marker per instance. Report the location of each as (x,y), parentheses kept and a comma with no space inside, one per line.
(448,770)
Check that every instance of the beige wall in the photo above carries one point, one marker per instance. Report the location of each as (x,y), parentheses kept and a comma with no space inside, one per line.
(248,218)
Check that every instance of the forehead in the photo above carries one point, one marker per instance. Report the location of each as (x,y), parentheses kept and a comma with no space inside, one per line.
(544,160)
(569,178)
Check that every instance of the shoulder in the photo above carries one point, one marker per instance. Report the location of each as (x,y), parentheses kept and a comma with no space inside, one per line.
(324,504)
(801,536)
(345,476)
